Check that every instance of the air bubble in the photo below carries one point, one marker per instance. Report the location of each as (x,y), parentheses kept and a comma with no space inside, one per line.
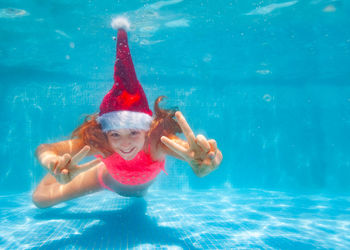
(267,98)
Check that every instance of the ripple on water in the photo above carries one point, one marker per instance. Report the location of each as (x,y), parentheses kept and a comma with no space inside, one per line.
(256,216)
(285,243)
(185,220)
(12,13)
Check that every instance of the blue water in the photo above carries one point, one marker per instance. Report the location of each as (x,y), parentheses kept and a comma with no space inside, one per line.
(269,80)
(212,219)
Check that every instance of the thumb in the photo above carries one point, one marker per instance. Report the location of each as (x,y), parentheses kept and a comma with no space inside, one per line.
(86,166)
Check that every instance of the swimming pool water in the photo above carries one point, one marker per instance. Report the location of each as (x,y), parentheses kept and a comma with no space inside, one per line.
(269,80)
(211,219)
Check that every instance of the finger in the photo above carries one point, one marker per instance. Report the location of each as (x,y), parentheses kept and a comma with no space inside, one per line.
(80,155)
(65,178)
(57,168)
(86,166)
(186,129)
(213,145)
(213,149)
(53,165)
(212,155)
(173,146)
(203,143)
(63,161)
(66,159)
(216,160)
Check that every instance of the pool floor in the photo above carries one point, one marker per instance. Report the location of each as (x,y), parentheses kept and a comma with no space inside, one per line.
(210,219)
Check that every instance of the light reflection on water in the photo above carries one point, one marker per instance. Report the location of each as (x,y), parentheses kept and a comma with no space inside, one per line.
(221,218)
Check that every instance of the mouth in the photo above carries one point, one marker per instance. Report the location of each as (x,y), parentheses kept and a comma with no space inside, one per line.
(127,152)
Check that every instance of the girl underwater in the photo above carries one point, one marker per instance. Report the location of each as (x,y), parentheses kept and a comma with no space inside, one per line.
(129,144)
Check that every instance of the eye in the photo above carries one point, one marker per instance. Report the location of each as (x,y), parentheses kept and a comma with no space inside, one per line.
(134,132)
(114,134)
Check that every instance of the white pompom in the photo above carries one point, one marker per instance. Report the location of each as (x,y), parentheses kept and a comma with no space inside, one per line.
(120,22)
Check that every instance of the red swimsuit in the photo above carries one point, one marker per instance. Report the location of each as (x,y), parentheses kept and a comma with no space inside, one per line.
(140,170)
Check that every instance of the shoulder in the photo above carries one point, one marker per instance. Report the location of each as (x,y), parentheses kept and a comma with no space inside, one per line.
(155,150)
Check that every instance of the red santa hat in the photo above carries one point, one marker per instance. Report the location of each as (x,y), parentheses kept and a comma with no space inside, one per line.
(125,105)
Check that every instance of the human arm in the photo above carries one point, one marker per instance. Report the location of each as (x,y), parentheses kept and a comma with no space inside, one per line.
(201,154)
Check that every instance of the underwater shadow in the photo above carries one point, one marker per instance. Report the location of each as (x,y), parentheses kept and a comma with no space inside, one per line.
(124,228)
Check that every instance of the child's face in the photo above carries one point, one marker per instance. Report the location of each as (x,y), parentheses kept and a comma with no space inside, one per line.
(126,142)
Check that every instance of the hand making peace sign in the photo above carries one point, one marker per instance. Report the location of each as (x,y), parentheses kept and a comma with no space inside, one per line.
(64,168)
(202,154)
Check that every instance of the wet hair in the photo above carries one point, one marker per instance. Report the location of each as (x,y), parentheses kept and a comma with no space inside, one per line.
(163,124)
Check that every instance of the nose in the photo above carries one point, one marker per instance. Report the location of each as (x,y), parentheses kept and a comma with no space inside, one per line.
(125,142)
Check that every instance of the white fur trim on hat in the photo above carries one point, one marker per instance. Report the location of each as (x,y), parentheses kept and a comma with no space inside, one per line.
(120,22)
(124,119)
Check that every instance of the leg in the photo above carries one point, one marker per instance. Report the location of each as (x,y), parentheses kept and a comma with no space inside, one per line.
(49,192)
